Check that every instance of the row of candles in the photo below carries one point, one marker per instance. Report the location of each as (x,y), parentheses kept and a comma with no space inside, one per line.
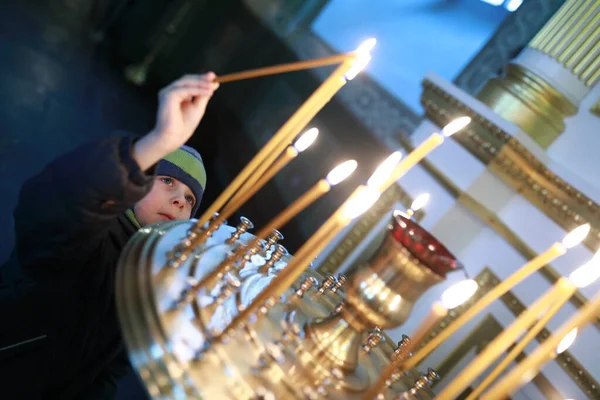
(277,153)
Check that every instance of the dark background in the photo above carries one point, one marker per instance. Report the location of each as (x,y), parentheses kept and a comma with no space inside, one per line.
(60,87)
(62,84)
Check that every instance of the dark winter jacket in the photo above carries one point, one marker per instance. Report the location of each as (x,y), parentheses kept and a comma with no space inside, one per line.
(59,332)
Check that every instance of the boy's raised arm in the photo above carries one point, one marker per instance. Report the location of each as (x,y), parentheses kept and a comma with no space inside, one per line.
(66,208)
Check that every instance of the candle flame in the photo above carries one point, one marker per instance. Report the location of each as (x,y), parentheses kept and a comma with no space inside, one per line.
(420,202)
(576,236)
(458,293)
(587,274)
(306,139)
(359,64)
(366,46)
(567,341)
(360,203)
(455,126)
(341,172)
(384,170)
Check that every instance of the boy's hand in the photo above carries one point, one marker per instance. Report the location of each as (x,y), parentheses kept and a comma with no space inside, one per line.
(181,107)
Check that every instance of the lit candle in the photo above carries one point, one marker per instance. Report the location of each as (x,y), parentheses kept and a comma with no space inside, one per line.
(253,185)
(581,277)
(346,72)
(334,177)
(452,297)
(384,171)
(422,150)
(562,290)
(557,249)
(418,203)
(270,151)
(554,345)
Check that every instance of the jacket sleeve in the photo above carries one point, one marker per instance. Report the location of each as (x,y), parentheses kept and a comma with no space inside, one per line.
(65,209)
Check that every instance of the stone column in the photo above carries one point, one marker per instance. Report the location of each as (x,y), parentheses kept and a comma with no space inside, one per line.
(547,81)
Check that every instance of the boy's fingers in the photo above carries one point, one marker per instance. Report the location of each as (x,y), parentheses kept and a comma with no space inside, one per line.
(198,84)
(177,89)
(186,92)
(191,79)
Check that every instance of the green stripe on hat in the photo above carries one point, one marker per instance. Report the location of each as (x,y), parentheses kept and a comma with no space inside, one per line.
(189,164)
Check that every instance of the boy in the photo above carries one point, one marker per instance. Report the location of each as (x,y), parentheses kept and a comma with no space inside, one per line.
(60,336)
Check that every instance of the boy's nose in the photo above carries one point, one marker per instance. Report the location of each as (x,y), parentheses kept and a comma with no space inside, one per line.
(178,201)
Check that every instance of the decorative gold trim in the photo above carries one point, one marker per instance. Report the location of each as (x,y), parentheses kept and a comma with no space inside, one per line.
(478,338)
(487,280)
(364,225)
(523,97)
(515,165)
(480,211)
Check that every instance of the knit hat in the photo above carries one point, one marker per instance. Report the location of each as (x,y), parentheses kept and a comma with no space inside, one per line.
(185,164)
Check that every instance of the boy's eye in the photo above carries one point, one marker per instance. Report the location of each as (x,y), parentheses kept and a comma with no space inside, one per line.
(167,181)
(190,199)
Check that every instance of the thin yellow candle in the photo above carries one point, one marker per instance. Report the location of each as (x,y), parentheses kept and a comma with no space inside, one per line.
(250,188)
(562,289)
(334,177)
(556,250)
(422,150)
(277,143)
(555,344)
(360,200)
(303,142)
(452,297)
(581,277)
(347,71)
(283,68)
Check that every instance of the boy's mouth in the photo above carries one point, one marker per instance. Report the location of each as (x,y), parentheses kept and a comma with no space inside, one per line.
(167,216)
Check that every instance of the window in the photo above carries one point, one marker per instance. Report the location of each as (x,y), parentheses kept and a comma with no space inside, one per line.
(413,37)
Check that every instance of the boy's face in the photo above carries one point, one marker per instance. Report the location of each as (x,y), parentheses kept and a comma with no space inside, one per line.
(168,200)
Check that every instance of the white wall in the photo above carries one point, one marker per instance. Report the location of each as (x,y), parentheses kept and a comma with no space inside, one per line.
(578,147)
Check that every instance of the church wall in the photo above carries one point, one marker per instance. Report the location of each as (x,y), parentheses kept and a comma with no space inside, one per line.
(577,148)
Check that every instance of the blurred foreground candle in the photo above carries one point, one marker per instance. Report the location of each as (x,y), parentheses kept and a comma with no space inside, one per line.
(384,171)
(581,277)
(271,150)
(528,368)
(557,249)
(422,150)
(451,298)
(560,292)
